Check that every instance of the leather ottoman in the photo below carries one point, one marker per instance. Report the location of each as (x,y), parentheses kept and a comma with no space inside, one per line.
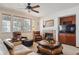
(53,49)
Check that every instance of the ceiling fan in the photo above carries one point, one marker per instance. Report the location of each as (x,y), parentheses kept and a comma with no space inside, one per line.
(29,7)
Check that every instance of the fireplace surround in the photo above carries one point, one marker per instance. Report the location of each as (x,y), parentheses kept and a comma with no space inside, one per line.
(49,34)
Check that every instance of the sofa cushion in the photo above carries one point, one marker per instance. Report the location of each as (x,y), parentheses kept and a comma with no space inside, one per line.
(3,49)
(21,50)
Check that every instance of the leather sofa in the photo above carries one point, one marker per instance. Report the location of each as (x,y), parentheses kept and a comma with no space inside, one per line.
(14,50)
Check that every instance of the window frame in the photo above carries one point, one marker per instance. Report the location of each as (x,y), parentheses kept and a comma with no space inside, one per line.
(30,25)
(20,19)
(11,23)
(2,22)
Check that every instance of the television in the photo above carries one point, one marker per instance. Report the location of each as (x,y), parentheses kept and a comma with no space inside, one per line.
(62,28)
(70,28)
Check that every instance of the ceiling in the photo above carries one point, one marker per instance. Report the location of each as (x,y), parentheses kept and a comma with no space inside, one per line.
(45,8)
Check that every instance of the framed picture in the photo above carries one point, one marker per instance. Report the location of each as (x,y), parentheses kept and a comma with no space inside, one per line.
(49,23)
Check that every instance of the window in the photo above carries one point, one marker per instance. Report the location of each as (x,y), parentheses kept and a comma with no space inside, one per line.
(5,23)
(26,25)
(16,24)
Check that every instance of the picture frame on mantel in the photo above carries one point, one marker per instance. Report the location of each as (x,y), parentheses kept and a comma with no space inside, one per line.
(49,23)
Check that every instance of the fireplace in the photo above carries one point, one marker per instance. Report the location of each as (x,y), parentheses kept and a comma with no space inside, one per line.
(48,35)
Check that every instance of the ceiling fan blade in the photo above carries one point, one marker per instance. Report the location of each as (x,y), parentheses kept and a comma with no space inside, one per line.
(36,6)
(35,11)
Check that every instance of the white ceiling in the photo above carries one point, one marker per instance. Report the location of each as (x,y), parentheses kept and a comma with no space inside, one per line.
(45,8)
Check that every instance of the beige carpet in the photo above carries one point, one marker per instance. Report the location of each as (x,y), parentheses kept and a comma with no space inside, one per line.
(70,50)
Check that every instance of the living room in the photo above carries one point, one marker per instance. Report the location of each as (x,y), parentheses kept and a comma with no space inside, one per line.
(36,24)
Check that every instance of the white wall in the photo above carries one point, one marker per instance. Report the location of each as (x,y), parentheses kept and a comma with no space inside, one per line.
(67,12)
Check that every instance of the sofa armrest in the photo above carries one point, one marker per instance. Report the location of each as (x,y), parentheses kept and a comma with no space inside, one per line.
(8,44)
(21,50)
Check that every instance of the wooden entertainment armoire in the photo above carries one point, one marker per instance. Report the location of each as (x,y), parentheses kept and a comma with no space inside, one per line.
(68,38)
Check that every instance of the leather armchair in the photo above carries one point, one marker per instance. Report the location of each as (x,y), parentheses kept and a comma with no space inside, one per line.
(37,36)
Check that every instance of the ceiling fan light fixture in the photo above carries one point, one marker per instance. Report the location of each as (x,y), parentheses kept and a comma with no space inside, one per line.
(31,8)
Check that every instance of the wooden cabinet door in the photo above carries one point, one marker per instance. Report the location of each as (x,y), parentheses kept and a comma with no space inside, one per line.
(71,39)
(62,38)
(68,20)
